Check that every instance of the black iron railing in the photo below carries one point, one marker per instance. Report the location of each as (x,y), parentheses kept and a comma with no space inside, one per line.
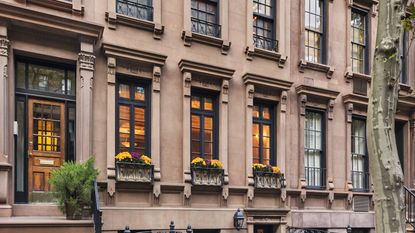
(96,209)
(171,230)
(205,27)
(306,230)
(134,9)
(360,181)
(315,177)
(265,43)
(410,207)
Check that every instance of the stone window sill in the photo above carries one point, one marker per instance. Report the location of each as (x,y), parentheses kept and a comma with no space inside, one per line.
(188,37)
(350,75)
(252,52)
(329,70)
(114,18)
(74,6)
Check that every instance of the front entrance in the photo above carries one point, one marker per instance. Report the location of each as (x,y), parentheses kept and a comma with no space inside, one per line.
(46,143)
(45,116)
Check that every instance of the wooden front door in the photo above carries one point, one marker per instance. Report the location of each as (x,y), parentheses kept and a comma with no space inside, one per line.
(46,138)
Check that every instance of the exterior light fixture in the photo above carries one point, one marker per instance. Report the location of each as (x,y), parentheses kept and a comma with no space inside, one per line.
(238,219)
(349,229)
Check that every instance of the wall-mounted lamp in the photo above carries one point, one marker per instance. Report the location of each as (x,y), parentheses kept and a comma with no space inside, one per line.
(238,219)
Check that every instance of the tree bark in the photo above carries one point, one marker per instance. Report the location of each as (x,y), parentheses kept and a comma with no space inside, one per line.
(385,168)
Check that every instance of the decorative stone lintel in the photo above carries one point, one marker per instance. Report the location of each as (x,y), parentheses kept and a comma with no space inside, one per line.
(86,61)
(329,70)
(271,82)
(349,112)
(114,19)
(206,69)
(4,46)
(350,75)
(251,52)
(188,37)
(316,92)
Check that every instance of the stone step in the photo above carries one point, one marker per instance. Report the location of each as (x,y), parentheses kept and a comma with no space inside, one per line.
(37,209)
(44,224)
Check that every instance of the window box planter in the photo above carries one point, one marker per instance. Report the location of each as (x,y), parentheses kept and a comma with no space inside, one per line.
(268,180)
(207,176)
(134,172)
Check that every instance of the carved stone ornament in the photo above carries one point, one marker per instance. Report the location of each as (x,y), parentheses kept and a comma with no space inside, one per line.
(111,187)
(303,195)
(268,180)
(330,107)
(282,61)
(350,199)
(187,191)
(250,90)
(156,190)
(158,31)
(283,195)
(250,52)
(5,71)
(207,176)
(225,91)
(303,103)
(111,64)
(4,47)
(225,193)
(133,172)
(156,78)
(86,61)
(250,194)
(187,38)
(284,97)
(226,45)
(187,83)
(349,112)
(331,197)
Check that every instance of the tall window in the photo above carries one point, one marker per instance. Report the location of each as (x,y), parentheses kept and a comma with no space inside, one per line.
(262,134)
(204,127)
(141,9)
(314,150)
(404,71)
(359,41)
(263,22)
(133,118)
(314,30)
(360,174)
(205,17)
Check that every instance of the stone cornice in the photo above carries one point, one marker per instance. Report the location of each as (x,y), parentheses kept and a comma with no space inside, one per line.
(260,80)
(328,70)
(265,212)
(205,69)
(27,17)
(354,99)
(316,92)
(135,55)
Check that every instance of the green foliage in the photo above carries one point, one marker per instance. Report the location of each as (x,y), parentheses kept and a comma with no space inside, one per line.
(408,21)
(72,184)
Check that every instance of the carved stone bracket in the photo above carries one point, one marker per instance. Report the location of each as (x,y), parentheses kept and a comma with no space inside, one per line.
(187,191)
(303,103)
(226,45)
(349,185)
(225,91)
(187,84)
(86,61)
(250,90)
(189,37)
(156,191)
(283,102)
(225,193)
(111,187)
(330,107)
(111,70)
(348,75)
(350,199)
(303,195)
(4,47)
(330,184)
(331,197)
(156,78)
(302,183)
(158,31)
(283,195)
(250,193)
(349,112)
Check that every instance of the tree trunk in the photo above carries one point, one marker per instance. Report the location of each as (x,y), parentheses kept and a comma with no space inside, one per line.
(385,168)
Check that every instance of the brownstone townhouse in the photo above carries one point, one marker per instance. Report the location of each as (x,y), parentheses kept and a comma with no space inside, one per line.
(243,85)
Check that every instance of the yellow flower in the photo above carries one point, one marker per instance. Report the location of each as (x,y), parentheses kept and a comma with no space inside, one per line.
(258,166)
(276,169)
(124,157)
(216,163)
(198,162)
(146,159)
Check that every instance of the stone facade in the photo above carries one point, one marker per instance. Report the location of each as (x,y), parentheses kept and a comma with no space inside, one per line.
(103,45)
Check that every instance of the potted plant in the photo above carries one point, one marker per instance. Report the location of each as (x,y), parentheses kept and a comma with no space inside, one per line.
(72,185)
(133,167)
(207,172)
(267,176)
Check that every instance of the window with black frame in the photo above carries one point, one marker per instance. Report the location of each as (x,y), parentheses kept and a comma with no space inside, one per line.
(133,118)
(360,174)
(262,134)
(314,149)
(205,17)
(140,9)
(263,25)
(359,41)
(204,126)
(314,31)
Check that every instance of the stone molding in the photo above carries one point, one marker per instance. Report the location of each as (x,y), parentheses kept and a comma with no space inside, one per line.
(114,19)
(188,37)
(371,5)
(260,80)
(75,6)
(36,19)
(86,61)
(317,93)
(327,69)
(350,75)
(125,53)
(252,52)
(206,69)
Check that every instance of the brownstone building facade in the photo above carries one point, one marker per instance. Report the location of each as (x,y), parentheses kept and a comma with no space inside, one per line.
(273,82)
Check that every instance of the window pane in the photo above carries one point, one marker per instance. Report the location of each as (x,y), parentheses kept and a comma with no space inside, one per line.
(265,113)
(255,154)
(266,131)
(124,126)
(196,102)
(208,123)
(196,121)
(255,111)
(139,93)
(266,156)
(195,147)
(255,135)
(208,104)
(46,79)
(20,75)
(195,134)
(124,91)
(208,135)
(71,84)
(208,148)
